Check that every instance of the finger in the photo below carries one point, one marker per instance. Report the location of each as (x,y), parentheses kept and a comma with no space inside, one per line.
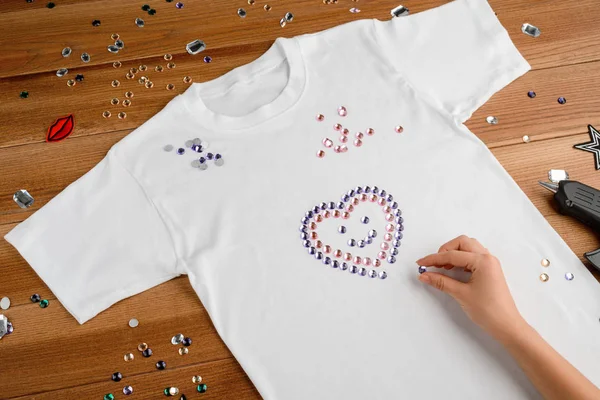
(464,243)
(443,283)
(454,258)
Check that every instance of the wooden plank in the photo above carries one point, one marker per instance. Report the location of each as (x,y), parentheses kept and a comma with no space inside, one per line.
(225,380)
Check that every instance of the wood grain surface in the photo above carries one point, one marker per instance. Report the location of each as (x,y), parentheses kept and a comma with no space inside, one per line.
(50,355)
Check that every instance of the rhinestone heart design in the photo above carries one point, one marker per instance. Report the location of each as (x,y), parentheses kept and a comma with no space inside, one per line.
(357,264)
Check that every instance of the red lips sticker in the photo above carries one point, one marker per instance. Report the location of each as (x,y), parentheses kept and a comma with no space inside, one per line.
(60,129)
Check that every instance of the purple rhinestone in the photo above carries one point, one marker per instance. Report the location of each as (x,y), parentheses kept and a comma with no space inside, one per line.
(197,148)
(394,251)
(389,198)
(9,328)
(186,341)
(422,269)
(179,5)
(316,209)
(312,251)
(382,193)
(209,156)
(303,228)
(319,255)
(327,261)
(340,205)
(400,227)
(353,269)
(306,243)
(398,235)
(323,206)
(391,259)
(399,220)
(367,189)
(531,94)
(351,193)
(127,390)
(331,205)
(117,376)
(396,243)
(218,156)
(562,100)
(305,220)
(180,150)
(207,59)
(358,190)
(147,353)
(398,212)
(309,214)
(335,264)
(375,190)
(394,204)
(161,365)
(303,235)
(345,197)
(202,160)
(344,266)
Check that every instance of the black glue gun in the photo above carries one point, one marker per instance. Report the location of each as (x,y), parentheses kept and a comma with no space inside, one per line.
(581,202)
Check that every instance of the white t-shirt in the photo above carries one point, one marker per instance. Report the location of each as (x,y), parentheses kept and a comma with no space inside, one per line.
(242,225)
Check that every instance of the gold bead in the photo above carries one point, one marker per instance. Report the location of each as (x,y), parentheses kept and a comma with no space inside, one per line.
(149,85)
(115,83)
(168,57)
(197,379)
(114,101)
(122,115)
(114,36)
(545,262)
(71,82)
(158,68)
(544,277)
(117,64)
(126,103)
(128,357)
(106,114)
(183,351)
(143,67)
(129,94)
(187,79)
(170,86)
(142,346)
(171,65)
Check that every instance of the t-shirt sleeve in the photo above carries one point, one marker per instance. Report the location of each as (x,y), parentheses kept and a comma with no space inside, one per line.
(456,56)
(99,241)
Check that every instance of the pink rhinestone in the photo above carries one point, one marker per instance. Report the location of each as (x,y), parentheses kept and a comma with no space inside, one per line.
(357,260)
(355,201)
(358,142)
(389,217)
(373,198)
(318,244)
(327,214)
(359,135)
(347,256)
(389,228)
(387,237)
(345,131)
(370,131)
(399,129)
(313,235)
(363,197)
(367,261)
(387,209)
(337,127)
(312,226)
(349,208)
(320,117)
(337,253)
(384,246)
(343,139)
(319,218)
(381,255)
(345,215)
(342,112)
(381,202)
(343,148)
(338,149)
(327,142)
(377,262)
(327,249)
(337,214)
(320,154)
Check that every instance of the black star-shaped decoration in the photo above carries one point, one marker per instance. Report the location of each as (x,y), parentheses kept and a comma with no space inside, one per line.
(593,146)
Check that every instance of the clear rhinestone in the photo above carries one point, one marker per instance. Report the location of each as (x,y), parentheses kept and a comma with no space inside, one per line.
(85,57)
(140,22)
(203,167)
(544,277)
(23,198)
(62,72)
(173,391)
(282,22)
(5,303)
(241,12)
(399,11)
(168,147)
(66,52)
(177,339)
(119,43)
(545,262)
(492,120)
(382,275)
(113,49)
(128,357)
(219,162)
(531,30)
(355,10)
(526,139)
(289,17)
(557,175)
(195,47)
(196,163)
(197,379)
(183,351)
(133,322)
(569,276)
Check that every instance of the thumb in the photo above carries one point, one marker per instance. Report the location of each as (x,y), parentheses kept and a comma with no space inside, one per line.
(443,283)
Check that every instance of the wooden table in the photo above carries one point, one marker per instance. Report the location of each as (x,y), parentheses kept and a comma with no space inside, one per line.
(50,356)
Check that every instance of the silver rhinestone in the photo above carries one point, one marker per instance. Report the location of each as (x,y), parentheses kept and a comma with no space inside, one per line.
(526,139)
(343,266)
(177,339)
(219,162)
(189,143)
(173,391)
(372,233)
(382,274)
(196,163)
(85,57)
(568,276)
(353,269)
(361,243)
(140,22)
(203,167)
(492,120)
(62,72)
(119,43)
(351,242)
(289,17)
(394,251)
(241,12)
(133,322)
(113,49)
(530,30)
(368,240)
(342,229)
(23,198)
(282,22)
(66,52)
(168,147)
(5,303)
(195,47)
(399,11)
(557,175)
(372,273)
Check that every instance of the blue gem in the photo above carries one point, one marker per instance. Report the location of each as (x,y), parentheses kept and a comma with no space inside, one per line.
(312,251)
(394,251)
(531,94)
(369,240)
(309,214)
(389,197)
(422,269)
(305,220)
(398,235)
(382,275)
(372,274)
(197,148)
(562,100)
(342,229)
(323,206)
(344,266)
(180,150)
(400,227)
(382,193)
(207,59)
(394,205)
(398,212)
(340,205)
(327,261)
(372,233)
(396,243)
(364,220)
(335,264)
(331,205)
(345,197)
(218,156)
(316,209)
(361,243)
(391,259)
(351,242)
(399,220)
(362,271)
(375,190)
(303,235)
(351,193)
(306,243)
(202,160)
(359,190)
(367,189)
(127,390)
(210,156)
(353,269)
(303,228)
(319,255)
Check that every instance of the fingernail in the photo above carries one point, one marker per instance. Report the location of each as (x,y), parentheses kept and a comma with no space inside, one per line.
(425,278)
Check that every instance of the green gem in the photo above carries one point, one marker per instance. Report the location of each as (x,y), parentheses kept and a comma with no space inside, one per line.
(109,396)
(145,7)
(201,388)
(44,303)
(152,11)
(24,94)
(166,392)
